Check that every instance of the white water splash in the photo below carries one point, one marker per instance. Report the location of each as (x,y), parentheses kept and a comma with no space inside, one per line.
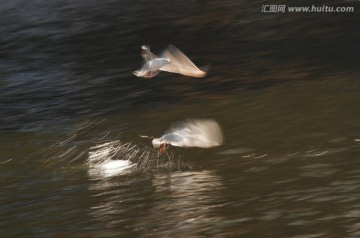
(104,160)
(111,168)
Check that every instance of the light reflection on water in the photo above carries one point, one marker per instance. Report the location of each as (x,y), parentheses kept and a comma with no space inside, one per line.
(173,213)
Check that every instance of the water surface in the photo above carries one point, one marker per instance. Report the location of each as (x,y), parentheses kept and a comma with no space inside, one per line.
(284,87)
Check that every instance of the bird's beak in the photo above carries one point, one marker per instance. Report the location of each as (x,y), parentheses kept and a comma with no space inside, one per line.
(138,73)
(156,143)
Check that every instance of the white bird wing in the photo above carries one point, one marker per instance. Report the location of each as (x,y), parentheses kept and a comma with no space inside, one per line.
(180,63)
(146,54)
(203,133)
(145,71)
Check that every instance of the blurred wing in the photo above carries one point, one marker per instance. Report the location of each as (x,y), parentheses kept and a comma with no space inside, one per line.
(146,54)
(180,64)
(203,133)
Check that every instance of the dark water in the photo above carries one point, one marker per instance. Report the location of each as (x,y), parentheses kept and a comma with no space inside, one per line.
(284,87)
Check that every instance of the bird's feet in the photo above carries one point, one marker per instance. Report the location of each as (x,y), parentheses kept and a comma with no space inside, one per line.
(162,149)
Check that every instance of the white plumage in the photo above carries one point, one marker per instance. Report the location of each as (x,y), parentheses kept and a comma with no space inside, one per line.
(171,60)
(203,133)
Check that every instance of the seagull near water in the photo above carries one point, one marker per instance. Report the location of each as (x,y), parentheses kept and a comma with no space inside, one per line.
(203,133)
(171,60)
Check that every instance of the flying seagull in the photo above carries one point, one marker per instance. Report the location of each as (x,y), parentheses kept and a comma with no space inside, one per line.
(204,133)
(171,60)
